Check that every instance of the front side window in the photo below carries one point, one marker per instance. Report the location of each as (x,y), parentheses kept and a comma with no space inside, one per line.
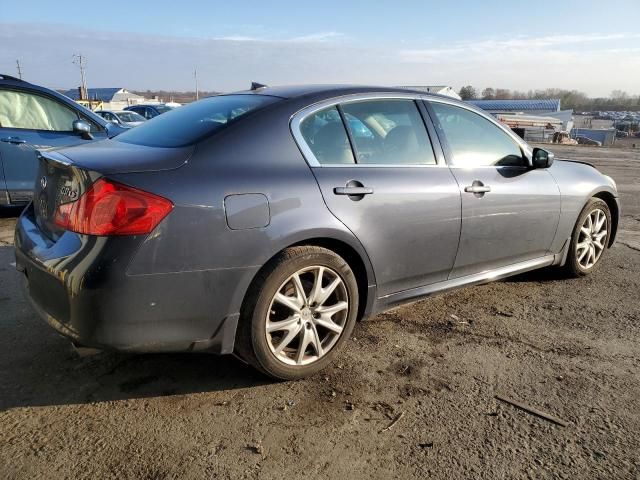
(326,136)
(474,141)
(192,123)
(30,111)
(389,132)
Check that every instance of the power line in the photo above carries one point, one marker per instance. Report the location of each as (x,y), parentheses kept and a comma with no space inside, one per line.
(195,75)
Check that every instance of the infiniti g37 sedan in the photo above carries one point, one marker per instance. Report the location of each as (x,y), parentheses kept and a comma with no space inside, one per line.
(266,223)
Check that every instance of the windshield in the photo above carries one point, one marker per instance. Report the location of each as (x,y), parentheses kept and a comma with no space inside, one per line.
(191,123)
(130,117)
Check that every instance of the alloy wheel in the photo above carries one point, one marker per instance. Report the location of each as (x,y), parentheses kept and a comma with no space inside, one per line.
(307,315)
(591,239)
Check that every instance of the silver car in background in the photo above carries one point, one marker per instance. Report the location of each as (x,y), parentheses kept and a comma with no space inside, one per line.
(124,118)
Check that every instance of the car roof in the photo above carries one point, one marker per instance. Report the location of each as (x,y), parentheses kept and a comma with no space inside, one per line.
(320,92)
(10,81)
(147,105)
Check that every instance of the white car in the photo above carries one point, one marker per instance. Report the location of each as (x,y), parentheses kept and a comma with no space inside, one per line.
(124,118)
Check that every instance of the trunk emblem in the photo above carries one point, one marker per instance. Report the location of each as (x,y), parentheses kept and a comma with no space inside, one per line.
(43,182)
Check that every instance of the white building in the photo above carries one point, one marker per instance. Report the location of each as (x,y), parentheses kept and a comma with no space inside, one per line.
(111,98)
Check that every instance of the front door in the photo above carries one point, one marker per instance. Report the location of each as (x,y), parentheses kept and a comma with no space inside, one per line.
(380,177)
(510,212)
(29,122)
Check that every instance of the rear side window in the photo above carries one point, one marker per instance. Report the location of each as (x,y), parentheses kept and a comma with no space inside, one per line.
(475,141)
(325,135)
(191,123)
(388,132)
(30,111)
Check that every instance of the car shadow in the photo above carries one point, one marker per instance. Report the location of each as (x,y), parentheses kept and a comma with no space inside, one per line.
(549,274)
(10,212)
(38,367)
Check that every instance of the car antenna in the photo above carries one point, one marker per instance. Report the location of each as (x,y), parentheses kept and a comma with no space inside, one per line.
(257,86)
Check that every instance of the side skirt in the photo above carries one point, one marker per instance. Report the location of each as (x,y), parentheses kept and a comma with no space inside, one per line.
(415,294)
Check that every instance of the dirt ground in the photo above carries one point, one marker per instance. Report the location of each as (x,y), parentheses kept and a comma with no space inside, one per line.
(412,395)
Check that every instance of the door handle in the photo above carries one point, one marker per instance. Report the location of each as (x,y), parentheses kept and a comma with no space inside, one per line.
(14,140)
(477,187)
(353,190)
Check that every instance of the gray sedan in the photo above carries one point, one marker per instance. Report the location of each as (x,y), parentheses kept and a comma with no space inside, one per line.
(266,223)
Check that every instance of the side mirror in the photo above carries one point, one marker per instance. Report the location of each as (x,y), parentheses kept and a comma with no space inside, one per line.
(542,158)
(83,129)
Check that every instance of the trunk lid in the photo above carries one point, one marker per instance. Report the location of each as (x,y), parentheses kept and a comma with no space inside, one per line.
(58,182)
(64,175)
(112,156)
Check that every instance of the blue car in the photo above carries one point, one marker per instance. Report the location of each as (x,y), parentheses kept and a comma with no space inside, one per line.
(35,118)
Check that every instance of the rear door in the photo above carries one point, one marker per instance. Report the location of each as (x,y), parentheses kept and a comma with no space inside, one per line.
(31,121)
(510,211)
(382,178)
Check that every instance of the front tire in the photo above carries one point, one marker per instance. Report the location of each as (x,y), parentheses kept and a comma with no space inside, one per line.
(299,312)
(590,238)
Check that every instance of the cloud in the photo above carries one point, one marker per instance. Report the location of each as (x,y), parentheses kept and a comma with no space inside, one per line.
(595,63)
(517,45)
(311,38)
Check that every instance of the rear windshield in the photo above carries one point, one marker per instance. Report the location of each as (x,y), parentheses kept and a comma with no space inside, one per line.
(130,117)
(186,125)
(163,108)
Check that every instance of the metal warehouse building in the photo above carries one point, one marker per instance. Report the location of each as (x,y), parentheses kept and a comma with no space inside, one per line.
(111,98)
(538,107)
(533,120)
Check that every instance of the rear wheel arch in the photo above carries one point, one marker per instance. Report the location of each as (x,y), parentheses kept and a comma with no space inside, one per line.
(609,199)
(354,260)
(360,266)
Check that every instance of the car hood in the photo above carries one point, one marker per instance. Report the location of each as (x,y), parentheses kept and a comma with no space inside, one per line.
(111,156)
(576,161)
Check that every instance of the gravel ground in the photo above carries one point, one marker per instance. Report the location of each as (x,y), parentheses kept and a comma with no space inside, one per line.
(412,395)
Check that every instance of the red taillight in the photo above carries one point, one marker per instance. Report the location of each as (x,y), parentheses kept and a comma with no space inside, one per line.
(110,208)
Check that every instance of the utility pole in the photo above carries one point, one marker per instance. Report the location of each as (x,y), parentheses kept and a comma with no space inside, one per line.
(81,61)
(19,69)
(195,75)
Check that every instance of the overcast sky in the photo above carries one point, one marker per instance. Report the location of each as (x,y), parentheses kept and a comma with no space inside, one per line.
(583,45)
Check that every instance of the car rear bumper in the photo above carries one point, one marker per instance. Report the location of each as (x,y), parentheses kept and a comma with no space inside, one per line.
(80,286)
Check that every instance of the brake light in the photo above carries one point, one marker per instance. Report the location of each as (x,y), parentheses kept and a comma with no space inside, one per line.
(110,208)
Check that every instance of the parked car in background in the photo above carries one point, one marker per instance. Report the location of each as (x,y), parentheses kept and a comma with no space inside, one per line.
(124,118)
(37,118)
(267,222)
(150,111)
(582,140)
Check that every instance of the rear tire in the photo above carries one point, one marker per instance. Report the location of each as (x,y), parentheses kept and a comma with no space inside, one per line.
(299,312)
(590,238)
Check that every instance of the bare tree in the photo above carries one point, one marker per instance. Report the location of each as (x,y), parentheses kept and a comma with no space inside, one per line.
(619,95)
(503,94)
(468,93)
(488,93)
